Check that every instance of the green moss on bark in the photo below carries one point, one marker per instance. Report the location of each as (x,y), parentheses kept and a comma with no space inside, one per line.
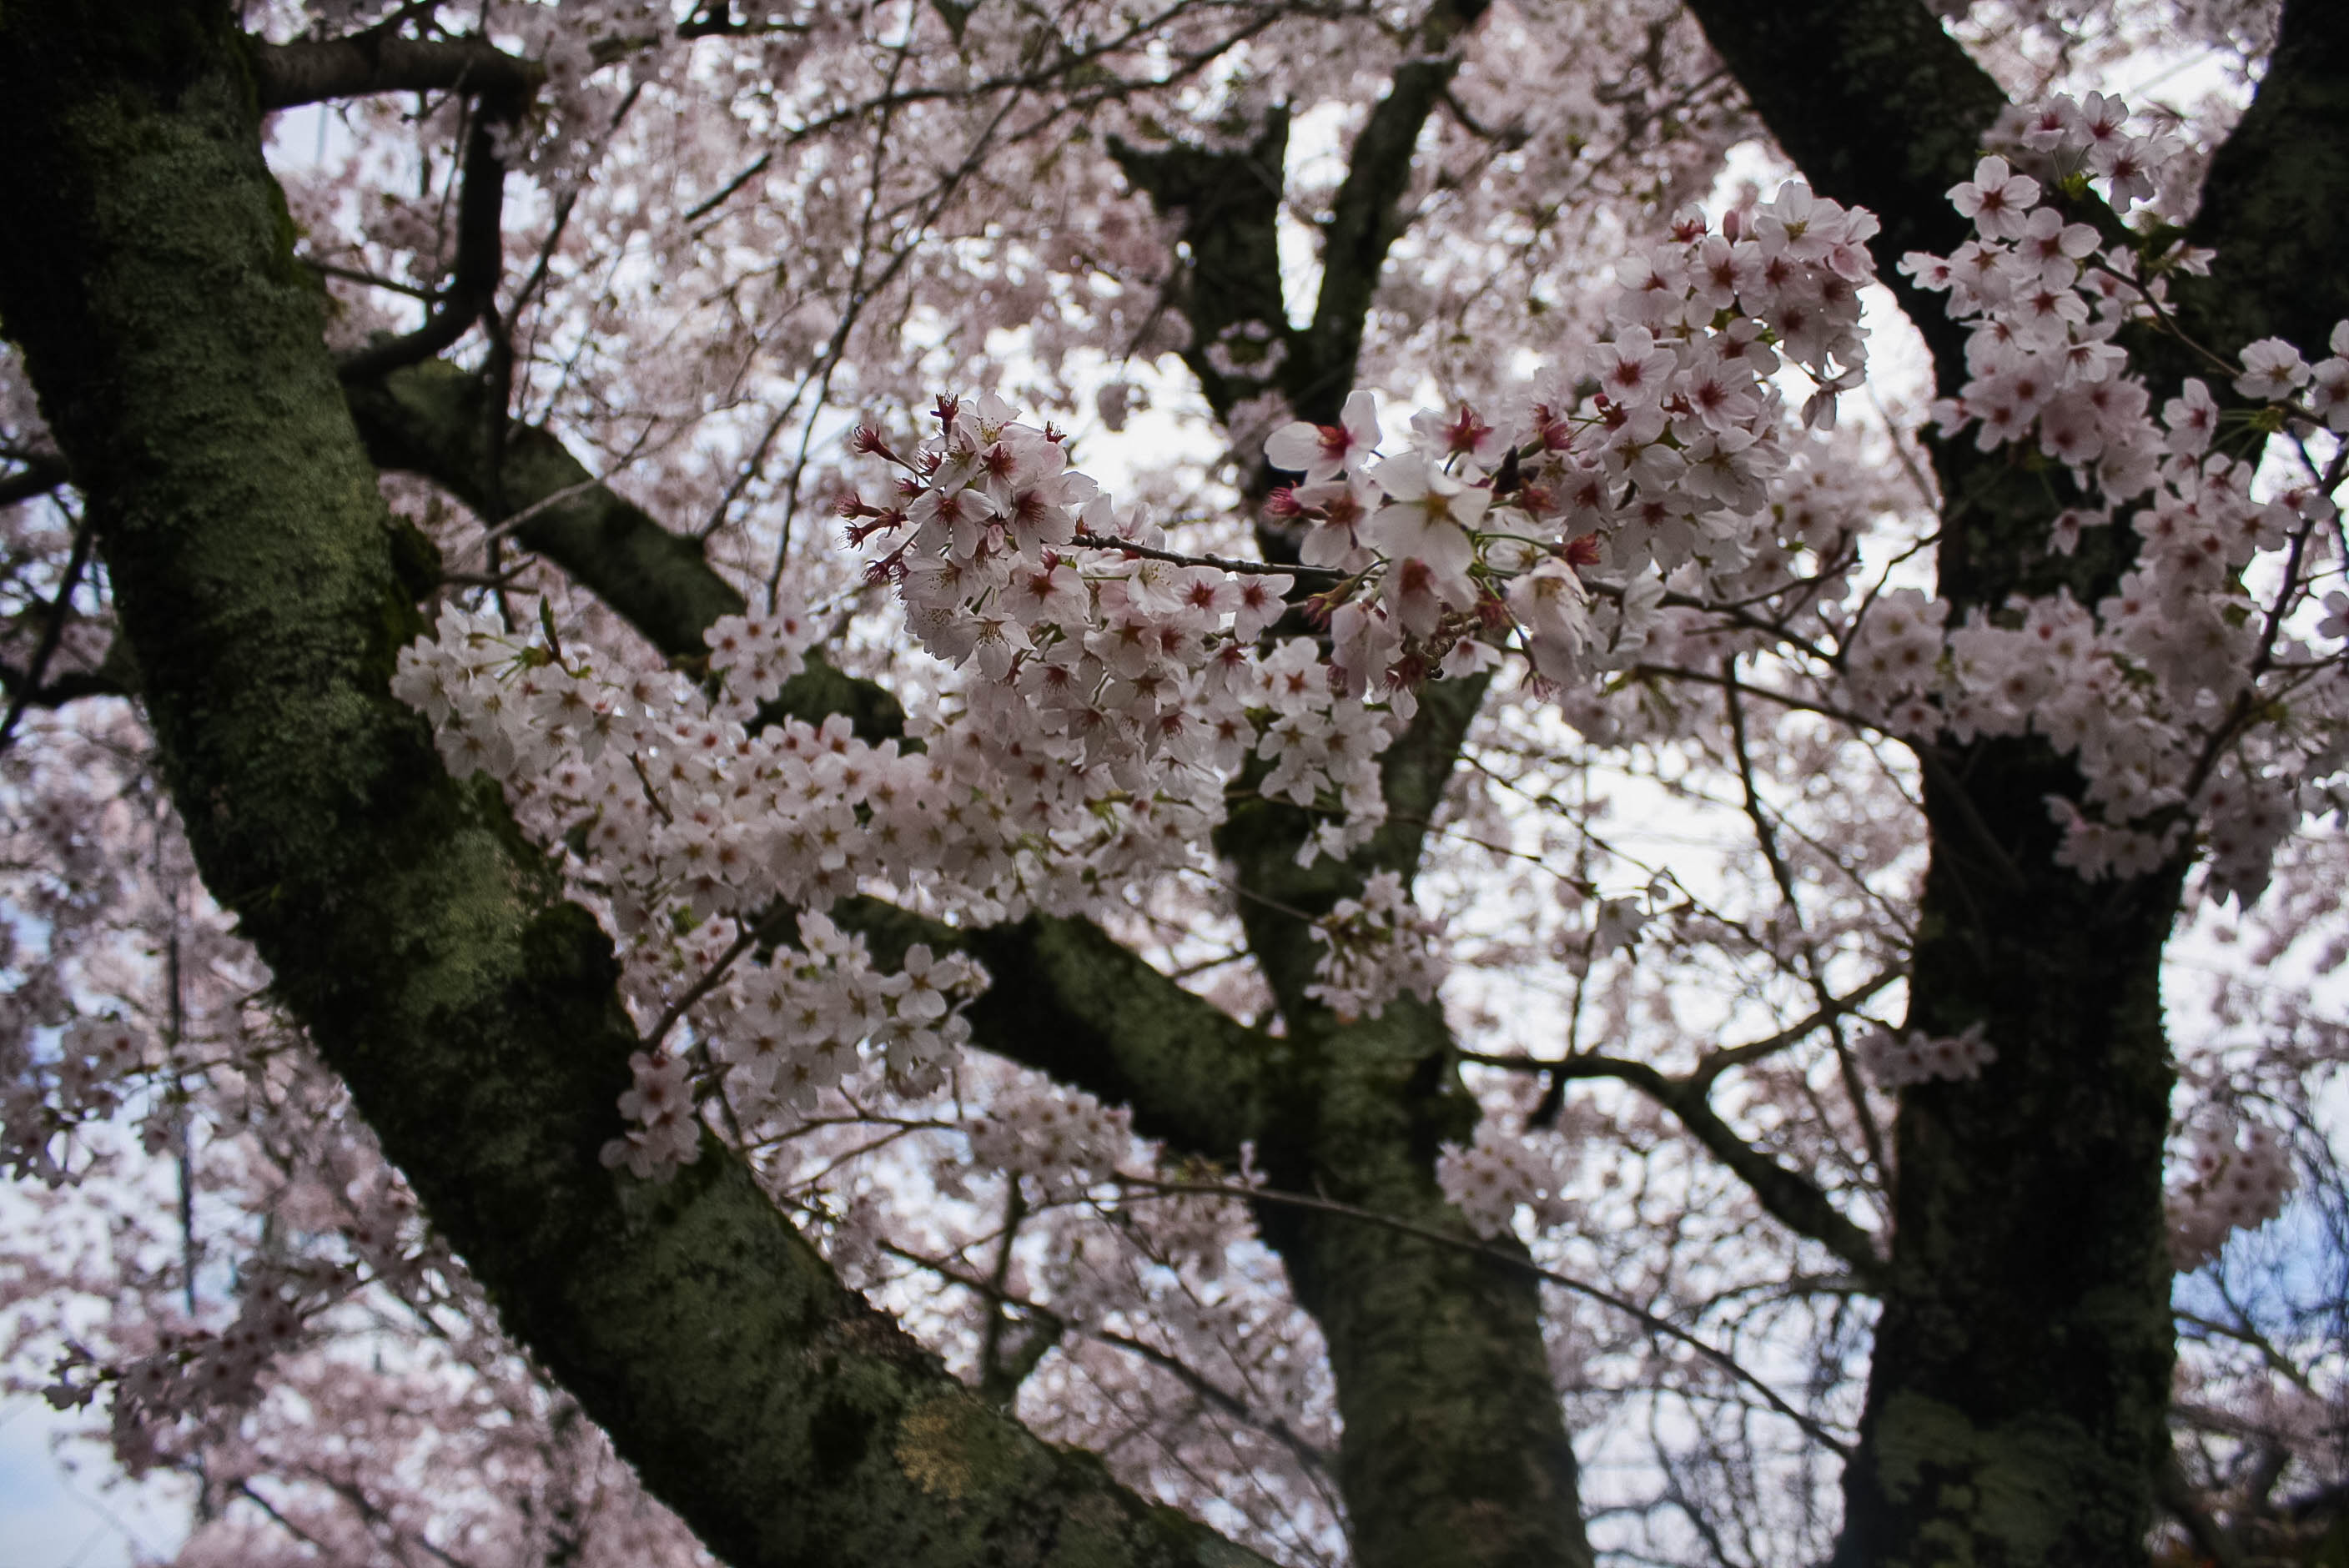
(472,1015)
(1455,1450)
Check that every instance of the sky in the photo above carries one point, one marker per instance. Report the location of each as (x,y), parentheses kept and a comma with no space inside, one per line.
(53,1518)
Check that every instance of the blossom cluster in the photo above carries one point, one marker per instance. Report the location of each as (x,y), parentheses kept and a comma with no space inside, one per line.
(1499,1171)
(778,1027)
(1099,664)
(707,836)
(1897,1061)
(1633,459)
(1058,1136)
(684,808)
(1110,688)
(1109,691)
(48,1092)
(1373,949)
(2151,689)
(1111,695)
(561,141)
(2240,1175)
(189,1372)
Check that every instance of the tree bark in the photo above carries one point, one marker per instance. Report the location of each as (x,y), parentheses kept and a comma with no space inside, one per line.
(2276,203)
(176,347)
(2019,1390)
(1455,1450)
(2018,1385)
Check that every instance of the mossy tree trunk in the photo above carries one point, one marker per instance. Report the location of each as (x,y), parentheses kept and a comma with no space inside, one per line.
(1454,1451)
(2019,1389)
(176,347)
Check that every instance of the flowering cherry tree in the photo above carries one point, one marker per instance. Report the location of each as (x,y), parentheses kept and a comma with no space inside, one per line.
(977,784)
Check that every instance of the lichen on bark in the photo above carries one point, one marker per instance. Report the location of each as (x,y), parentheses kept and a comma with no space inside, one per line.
(473,1014)
(2019,1384)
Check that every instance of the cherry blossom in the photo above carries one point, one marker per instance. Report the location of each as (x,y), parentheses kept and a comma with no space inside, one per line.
(1322,452)
(1696,602)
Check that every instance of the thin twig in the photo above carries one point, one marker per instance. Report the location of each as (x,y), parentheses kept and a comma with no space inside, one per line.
(51,634)
(1219,562)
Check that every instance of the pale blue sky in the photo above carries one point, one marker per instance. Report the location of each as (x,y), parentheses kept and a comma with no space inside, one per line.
(52,1518)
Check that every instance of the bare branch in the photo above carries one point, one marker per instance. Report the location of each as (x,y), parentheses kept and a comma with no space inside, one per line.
(1788,1196)
(480,252)
(1364,219)
(314,71)
(60,612)
(40,474)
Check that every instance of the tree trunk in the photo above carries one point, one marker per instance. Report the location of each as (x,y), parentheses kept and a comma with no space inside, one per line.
(2019,1387)
(1454,1453)
(176,347)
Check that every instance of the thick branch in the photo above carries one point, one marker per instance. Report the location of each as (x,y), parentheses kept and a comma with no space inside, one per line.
(1228,286)
(481,252)
(315,70)
(1453,1450)
(1792,1199)
(38,476)
(428,419)
(2276,203)
(1230,202)
(1879,109)
(176,347)
(1363,221)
